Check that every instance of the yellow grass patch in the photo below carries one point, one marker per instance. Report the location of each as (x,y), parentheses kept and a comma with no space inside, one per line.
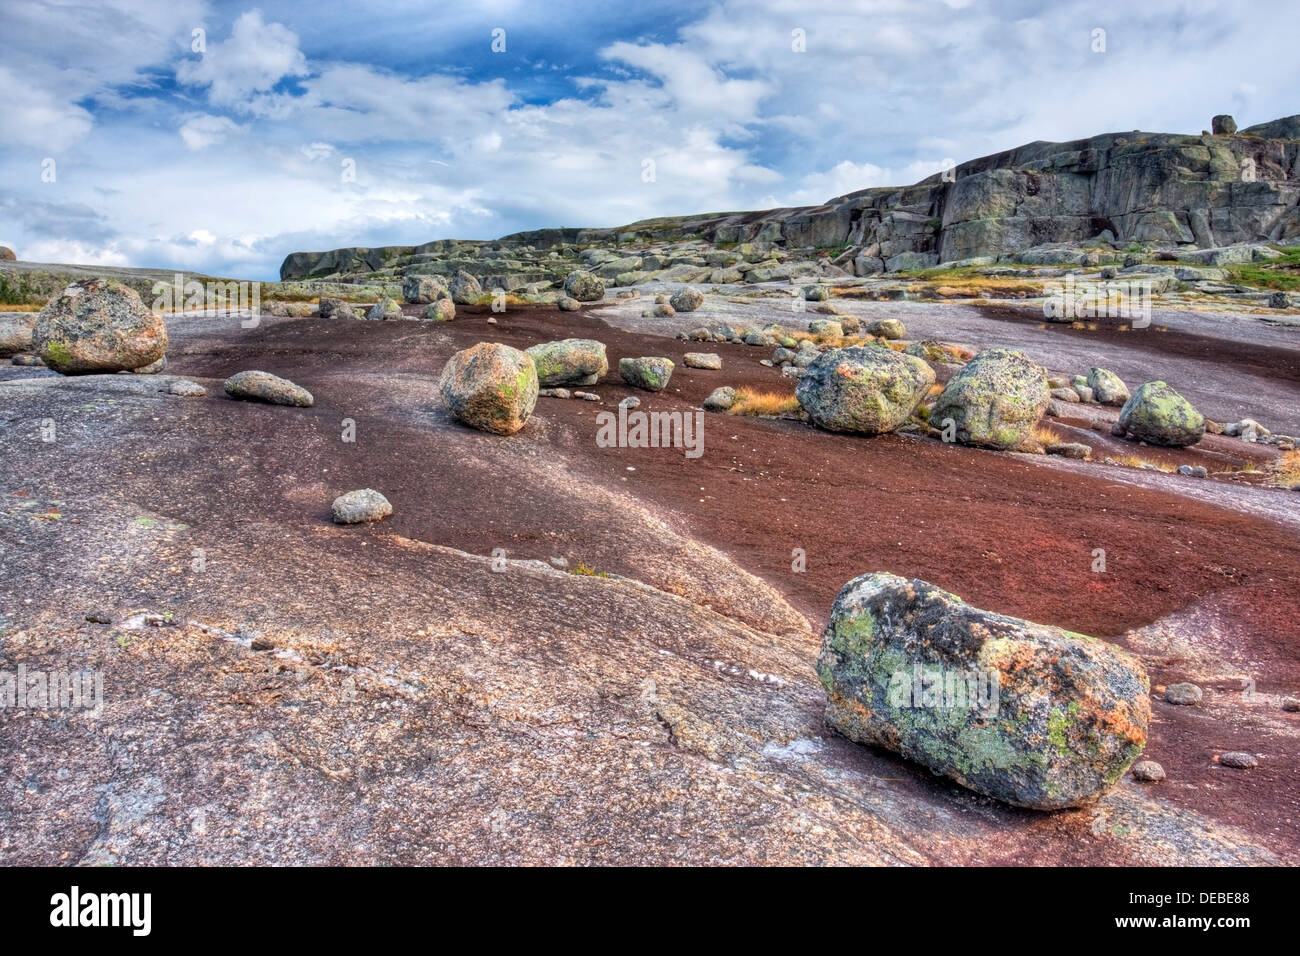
(1286,470)
(750,401)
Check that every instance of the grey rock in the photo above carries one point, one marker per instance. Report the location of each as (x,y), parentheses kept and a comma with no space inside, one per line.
(1148,771)
(256,386)
(356,507)
(720,399)
(704,360)
(650,373)
(1183,693)
(686,300)
(1238,760)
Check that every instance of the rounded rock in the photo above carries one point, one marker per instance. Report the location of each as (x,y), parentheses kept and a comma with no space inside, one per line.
(98,326)
(356,507)
(864,389)
(491,387)
(257,386)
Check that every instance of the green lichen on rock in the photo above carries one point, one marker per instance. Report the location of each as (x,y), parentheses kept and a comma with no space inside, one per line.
(995,400)
(863,390)
(1158,415)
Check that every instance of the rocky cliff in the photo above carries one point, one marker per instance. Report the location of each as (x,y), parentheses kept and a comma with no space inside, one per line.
(1157,189)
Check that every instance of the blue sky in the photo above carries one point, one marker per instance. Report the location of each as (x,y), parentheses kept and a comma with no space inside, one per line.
(226,159)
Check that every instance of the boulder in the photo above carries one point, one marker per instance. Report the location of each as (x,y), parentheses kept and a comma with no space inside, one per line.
(356,507)
(1107,387)
(7,254)
(98,326)
(1223,125)
(16,332)
(1026,713)
(332,308)
(153,368)
(995,400)
(465,289)
(686,300)
(569,362)
(386,309)
(887,329)
(568,304)
(650,373)
(421,290)
(255,386)
(491,387)
(829,327)
(705,360)
(1158,415)
(720,399)
(584,286)
(443,310)
(864,389)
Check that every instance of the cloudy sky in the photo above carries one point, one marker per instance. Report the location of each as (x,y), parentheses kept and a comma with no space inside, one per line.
(219,137)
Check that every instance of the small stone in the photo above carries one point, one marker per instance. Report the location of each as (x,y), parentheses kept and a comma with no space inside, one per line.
(567,303)
(1238,760)
(356,507)
(1069,449)
(261,644)
(1148,771)
(686,300)
(31,361)
(265,387)
(630,402)
(720,399)
(491,320)
(587,396)
(98,617)
(1193,471)
(187,389)
(560,564)
(554,393)
(1185,694)
(1291,704)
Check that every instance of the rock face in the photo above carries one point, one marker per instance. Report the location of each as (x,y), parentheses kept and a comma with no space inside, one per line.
(98,326)
(356,507)
(569,362)
(1107,387)
(995,400)
(421,290)
(864,389)
(255,386)
(584,286)
(651,373)
(1158,415)
(686,300)
(1028,714)
(490,387)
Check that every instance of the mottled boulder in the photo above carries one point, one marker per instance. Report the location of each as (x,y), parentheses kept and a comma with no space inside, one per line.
(465,289)
(995,400)
(357,507)
(1107,387)
(443,310)
(153,368)
(650,373)
(1158,415)
(334,308)
(491,387)
(567,303)
(569,362)
(421,290)
(829,327)
(1223,125)
(255,386)
(386,309)
(98,326)
(584,286)
(16,332)
(720,399)
(705,360)
(1029,714)
(7,254)
(864,389)
(891,329)
(686,300)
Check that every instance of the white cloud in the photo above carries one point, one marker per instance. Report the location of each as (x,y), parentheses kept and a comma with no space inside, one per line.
(240,72)
(201,130)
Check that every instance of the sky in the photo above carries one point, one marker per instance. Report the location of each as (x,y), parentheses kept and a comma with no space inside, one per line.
(219,137)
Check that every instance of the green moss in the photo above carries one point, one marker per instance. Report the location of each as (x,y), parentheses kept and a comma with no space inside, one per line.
(56,353)
(1058,722)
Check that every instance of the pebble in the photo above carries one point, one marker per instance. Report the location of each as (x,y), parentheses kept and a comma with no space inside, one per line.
(1238,760)
(1291,704)
(1182,694)
(1148,771)
(630,402)
(358,506)
(187,389)
(1193,471)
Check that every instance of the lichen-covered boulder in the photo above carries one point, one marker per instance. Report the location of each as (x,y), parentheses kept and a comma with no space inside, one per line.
(443,310)
(720,399)
(7,254)
(569,362)
(1158,415)
(826,327)
(650,373)
(865,389)
(491,387)
(584,286)
(256,386)
(1107,387)
(994,401)
(386,309)
(891,329)
(335,308)
(421,290)
(1029,714)
(98,326)
(686,300)
(465,289)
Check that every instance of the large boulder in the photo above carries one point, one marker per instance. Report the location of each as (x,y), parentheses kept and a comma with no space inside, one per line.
(651,373)
(686,300)
(465,289)
(584,286)
(569,362)
(864,389)
(257,386)
(995,400)
(1158,415)
(421,290)
(335,308)
(386,309)
(1223,125)
(16,332)
(98,326)
(1029,714)
(443,310)
(1107,387)
(7,254)
(491,387)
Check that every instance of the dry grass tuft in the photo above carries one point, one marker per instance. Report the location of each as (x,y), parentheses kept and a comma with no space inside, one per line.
(750,401)
(1286,470)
